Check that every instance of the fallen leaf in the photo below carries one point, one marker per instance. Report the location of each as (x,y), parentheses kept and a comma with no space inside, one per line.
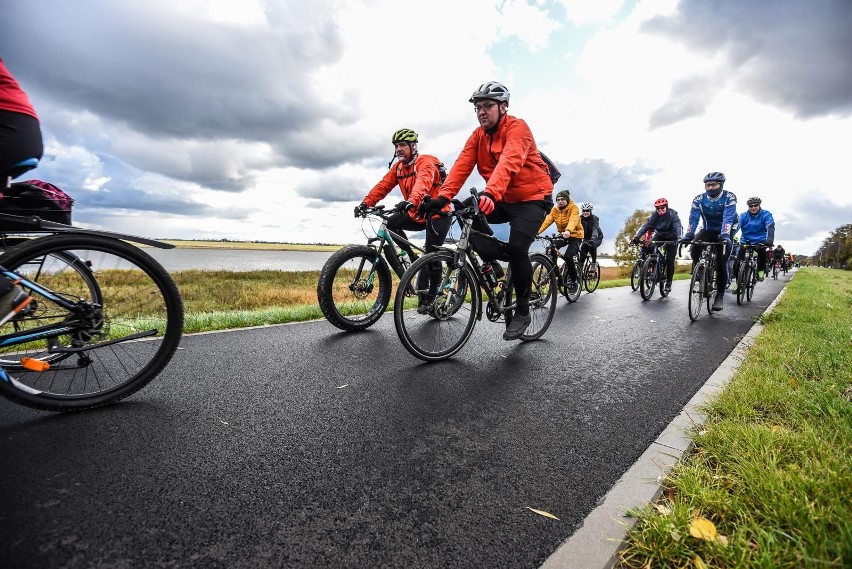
(702,528)
(723,539)
(223,422)
(342,386)
(665,510)
(794,382)
(698,563)
(653,321)
(543,513)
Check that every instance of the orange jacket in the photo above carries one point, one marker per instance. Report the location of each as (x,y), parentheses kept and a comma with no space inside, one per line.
(415,181)
(507,159)
(567,219)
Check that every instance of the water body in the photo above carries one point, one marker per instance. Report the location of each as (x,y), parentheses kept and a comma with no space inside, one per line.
(250,260)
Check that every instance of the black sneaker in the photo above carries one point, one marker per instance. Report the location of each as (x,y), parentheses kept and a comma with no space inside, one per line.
(517,327)
(668,287)
(717,303)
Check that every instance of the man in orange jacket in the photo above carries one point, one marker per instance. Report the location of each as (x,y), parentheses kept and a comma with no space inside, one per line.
(517,190)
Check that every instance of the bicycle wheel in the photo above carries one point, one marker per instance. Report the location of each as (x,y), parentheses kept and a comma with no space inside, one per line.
(591,275)
(696,292)
(743,282)
(542,297)
(566,278)
(115,340)
(775,271)
(648,278)
(709,287)
(751,282)
(354,288)
(450,304)
(635,274)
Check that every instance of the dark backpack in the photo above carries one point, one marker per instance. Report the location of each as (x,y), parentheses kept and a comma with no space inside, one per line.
(552,170)
(34,197)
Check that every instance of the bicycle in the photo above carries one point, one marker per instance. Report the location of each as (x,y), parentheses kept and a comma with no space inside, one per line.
(94,333)
(747,273)
(354,287)
(553,244)
(591,273)
(450,283)
(702,285)
(636,271)
(654,270)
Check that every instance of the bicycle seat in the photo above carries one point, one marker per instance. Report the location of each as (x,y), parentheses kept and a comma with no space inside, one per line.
(21,167)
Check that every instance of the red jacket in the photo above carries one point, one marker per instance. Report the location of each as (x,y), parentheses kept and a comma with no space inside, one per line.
(415,181)
(12,97)
(507,159)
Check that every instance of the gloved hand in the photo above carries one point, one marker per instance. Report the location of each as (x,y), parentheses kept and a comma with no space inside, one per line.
(431,205)
(360,209)
(688,237)
(634,241)
(404,205)
(486,203)
(726,239)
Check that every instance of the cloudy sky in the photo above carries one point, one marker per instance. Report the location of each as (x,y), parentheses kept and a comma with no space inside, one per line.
(271,119)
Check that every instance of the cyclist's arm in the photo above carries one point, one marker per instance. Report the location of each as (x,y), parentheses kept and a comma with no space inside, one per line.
(462,167)
(383,188)
(548,221)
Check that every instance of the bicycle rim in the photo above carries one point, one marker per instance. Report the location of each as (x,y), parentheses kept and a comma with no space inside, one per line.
(354,288)
(122,343)
(542,297)
(634,275)
(647,279)
(592,276)
(572,296)
(448,304)
(751,282)
(743,282)
(696,293)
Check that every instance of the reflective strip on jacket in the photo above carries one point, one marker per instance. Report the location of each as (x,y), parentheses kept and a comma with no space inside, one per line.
(507,159)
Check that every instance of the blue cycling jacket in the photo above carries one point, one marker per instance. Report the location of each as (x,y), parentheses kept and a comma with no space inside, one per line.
(717,214)
(757,228)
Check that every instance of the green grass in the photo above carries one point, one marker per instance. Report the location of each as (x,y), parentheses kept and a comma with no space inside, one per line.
(772,466)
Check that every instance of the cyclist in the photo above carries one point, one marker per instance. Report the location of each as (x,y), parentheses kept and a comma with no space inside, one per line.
(717,209)
(418,176)
(732,259)
(20,138)
(778,255)
(665,222)
(517,186)
(756,226)
(592,234)
(566,215)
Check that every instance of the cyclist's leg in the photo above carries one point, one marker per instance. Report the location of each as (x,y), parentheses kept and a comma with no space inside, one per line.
(573,248)
(670,265)
(21,139)
(398,223)
(524,220)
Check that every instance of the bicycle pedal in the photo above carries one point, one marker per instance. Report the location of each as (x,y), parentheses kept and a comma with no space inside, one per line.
(33,364)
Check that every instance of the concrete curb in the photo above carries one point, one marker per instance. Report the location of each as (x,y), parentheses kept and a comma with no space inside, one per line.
(595,545)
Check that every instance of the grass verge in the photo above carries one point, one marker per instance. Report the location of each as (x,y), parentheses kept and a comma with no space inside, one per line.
(769,480)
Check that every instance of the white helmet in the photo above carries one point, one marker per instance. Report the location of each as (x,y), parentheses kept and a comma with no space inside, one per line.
(491,90)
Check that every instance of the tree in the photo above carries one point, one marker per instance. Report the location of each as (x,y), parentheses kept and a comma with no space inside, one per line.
(624,255)
(836,249)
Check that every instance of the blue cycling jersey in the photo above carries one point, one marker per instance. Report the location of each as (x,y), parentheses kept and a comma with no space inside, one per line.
(717,214)
(757,228)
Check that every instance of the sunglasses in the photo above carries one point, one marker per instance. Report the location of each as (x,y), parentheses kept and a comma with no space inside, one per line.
(661,208)
(755,205)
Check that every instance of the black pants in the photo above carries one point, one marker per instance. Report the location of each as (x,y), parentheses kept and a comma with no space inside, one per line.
(588,248)
(761,260)
(721,257)
(435,233)
(572,249)
(20,138)
(524,219)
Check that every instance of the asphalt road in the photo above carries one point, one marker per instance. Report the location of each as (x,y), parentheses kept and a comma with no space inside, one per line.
(303,446)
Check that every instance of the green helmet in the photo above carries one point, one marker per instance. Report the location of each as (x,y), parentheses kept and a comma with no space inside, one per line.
(404,135)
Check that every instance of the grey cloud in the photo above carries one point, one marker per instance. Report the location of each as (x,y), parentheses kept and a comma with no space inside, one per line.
(793,54)
(326,190)
(689,98)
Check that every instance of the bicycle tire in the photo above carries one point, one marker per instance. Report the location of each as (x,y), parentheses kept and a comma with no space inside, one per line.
(347,293)
(752,282)
(543,296)
(450,312)
(571,296)
(696,292)
(648,278)
(743,282)
(129,337)
(709,287)
(591,276)
(635,274)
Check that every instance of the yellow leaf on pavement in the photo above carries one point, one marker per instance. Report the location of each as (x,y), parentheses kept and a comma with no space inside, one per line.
(702,528)
(543,513)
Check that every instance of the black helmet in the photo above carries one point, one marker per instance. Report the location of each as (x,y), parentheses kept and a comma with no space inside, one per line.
(715,177)
(753,201)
